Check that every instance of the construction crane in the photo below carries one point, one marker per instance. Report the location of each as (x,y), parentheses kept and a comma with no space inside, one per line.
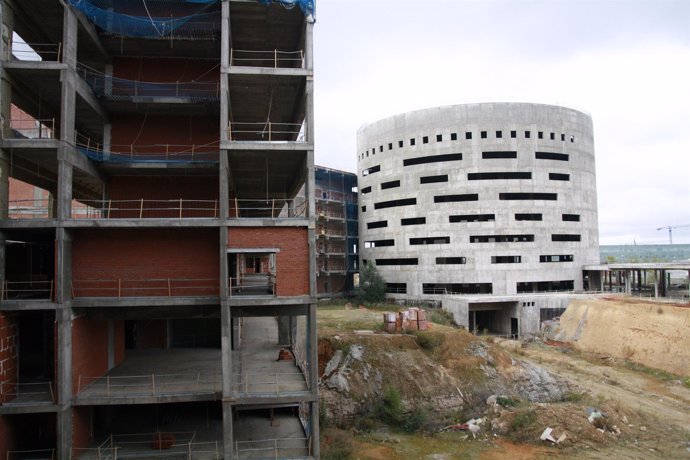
(670,231)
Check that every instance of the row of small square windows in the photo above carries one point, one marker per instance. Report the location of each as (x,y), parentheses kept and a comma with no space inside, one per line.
(454,260)
(468,136)
(469,218)
(481,288)
(556,237)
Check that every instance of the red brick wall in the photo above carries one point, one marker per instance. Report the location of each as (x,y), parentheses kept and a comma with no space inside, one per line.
(159,70)
(292,262)
(81,427)
(161,195)
(178,132)
(8,353)
(89,350)
(7,437)
(143,260)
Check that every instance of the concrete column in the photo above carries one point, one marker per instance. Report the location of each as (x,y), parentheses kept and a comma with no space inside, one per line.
(64,381)
(313,359)
(7,26)
(3,247)
(228,441)
(67,114)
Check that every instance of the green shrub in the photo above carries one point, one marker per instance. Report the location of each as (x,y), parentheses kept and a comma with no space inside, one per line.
(429,341)
(521,425)
(372,287)
(336,447)
(440,316)
(505,401)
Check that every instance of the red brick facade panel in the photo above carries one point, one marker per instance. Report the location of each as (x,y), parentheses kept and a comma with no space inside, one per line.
(89,351)
(145,263)
(149,134)
(163,197)
(8,355)
(158,70)
(7,436)
(81,427)
(292,262)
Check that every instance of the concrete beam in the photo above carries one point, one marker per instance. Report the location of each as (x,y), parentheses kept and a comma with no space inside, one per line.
(85,92)
(83,163)
(142,223)
(122,302)
(164,399)
(267,146)
(280,71)
(272,310)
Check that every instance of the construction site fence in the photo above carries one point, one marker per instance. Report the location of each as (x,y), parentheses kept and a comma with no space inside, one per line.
(266,131)
(154,287)
(274,383)
(123,386)
(29,128)
(273,448)
(27,290)
(270,58)
(27,392)
(36,454)
(24,51)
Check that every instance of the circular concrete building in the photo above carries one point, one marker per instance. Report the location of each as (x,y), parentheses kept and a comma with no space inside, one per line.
(491,198)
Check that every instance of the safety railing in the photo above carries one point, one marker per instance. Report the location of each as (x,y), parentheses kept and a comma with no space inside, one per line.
(324,214)
(18,392)
(23,51)
(332,268)
(274,448)
(267,58)
(154,287)
(36,454)
(29,128)
(27,290)
(272,208)
(266,131)
(146,209)
(252,285)
(93,453)
(150,153)
(327,231)
(125,386)
(269,383)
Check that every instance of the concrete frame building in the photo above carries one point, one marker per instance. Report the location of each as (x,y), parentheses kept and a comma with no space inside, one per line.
(166,292)
(336,231)
(491,204)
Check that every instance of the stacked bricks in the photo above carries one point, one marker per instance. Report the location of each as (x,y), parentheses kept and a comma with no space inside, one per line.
(292,262)
(8,355)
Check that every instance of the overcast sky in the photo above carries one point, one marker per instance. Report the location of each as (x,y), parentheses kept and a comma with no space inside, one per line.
(626,63)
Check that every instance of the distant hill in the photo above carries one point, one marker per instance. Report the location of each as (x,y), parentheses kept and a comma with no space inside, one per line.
(644,253)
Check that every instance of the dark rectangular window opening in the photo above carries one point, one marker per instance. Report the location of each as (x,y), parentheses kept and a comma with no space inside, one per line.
(433,179)
(396,288)
(399,261)
(390,184)
(400,144)
(551,156)
(432,159)
(390,146)
(563,137)
(439,137)
(380,148)
(377,224)
(413,221)
(425,139)
(395,203)
(468,135)
(527,216)
(451,260)
(453,136)
(571,217)
(457,288)
(545,286)
(499,154)
(565,237)
(364,209)
(499,175)
(456,198)
(501,238)
(499,134)
(472,218)
(412,141)
(528,196)
(556,258)
(366,190)
(379,243)
(482,134)
(540,135)
(552,136)
(559,176)
(572,138)
(528,134)
(506,259)
(372,170)
(513,134)
(430,240)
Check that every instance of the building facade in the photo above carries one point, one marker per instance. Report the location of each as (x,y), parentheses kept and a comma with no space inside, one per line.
(161,290)
(336,231)
(480,199)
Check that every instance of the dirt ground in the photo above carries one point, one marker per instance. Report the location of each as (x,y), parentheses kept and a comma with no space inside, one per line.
(648,412)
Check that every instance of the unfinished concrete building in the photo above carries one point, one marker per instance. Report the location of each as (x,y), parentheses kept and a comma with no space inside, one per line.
(485,207)
(162,302)
(336,231)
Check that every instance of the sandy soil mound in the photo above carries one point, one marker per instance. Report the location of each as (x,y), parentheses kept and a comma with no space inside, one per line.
(653,334)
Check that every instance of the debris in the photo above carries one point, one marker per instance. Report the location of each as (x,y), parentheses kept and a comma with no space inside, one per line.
(643,428)
(492,400)
(410,319)
(561,438)
(593,414)
(473,426)
(546,436)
